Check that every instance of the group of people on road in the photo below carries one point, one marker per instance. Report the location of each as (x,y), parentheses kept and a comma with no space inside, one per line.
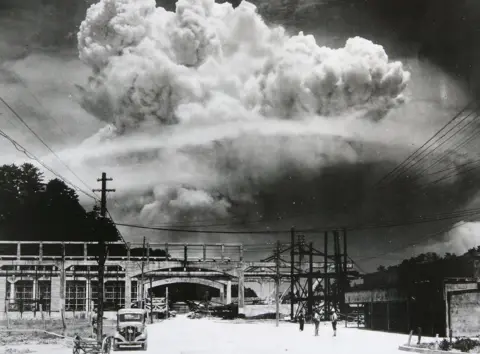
(316,320)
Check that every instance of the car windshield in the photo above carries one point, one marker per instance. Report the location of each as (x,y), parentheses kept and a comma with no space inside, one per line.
(130,317)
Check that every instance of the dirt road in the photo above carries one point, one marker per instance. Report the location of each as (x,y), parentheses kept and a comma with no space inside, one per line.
(185,336)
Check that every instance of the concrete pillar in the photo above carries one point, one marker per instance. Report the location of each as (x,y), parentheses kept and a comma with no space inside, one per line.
(12,290)
(55,302)
(241,293)
(88,291)
(3,291)
(128,291)
(140,290)
(222,295)
(63,284)
(40,251)
(34,289)
(229,292)
(85,251)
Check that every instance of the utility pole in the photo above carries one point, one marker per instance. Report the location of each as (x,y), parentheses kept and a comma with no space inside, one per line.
(102,256)
(167,315)
(277,284)
(142,298)
(151,301)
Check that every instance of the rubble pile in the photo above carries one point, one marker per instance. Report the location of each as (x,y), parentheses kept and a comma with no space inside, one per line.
(212,309)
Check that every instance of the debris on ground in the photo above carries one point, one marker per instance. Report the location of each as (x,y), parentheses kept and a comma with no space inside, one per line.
(212,309)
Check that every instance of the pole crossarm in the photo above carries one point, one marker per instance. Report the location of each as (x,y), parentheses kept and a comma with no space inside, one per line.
(103,254)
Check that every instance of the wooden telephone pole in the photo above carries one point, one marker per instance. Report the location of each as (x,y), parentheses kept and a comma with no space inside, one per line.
(142,280)
(102,253)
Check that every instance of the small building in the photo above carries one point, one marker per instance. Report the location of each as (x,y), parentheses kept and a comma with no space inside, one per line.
(437,296)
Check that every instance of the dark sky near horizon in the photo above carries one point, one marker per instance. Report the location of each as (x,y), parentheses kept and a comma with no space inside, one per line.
(444,32)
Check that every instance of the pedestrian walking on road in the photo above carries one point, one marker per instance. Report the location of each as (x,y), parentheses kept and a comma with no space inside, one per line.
(316,321)
(334,322)
(301,320)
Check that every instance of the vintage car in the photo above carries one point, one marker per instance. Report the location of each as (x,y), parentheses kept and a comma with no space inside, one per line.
(131,331)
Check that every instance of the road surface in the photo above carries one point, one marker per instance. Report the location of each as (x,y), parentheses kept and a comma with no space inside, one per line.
(181,335)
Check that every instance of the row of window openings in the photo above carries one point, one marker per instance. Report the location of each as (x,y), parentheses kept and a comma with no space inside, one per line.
(23,297)
(76,297)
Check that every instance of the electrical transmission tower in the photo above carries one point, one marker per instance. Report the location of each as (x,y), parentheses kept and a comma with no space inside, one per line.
(318,278)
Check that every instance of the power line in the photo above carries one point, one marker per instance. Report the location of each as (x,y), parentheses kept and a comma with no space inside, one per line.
(474,162)
(30,155)
(438,146)
(202,231)
(448,177)
(419,159)
(119,233)
(422,239)
(357,265)
(454,149)
(41,140)
(37,100)
(412,155)
(240,224)
(418,220)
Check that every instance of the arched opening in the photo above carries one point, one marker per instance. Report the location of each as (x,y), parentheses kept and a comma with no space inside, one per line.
(183,292)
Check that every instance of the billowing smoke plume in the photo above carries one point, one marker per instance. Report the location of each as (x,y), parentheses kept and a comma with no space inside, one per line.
(155,65)
(225,106)
(212,118)
(462,237)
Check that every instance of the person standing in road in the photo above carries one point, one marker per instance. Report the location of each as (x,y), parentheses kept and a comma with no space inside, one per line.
(301,320)
(334,322)
(316,320)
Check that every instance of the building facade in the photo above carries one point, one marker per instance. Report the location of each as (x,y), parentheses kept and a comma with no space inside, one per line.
(420,295)
(66,279)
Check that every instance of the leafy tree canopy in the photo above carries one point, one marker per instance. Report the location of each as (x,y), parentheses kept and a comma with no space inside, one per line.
(34,209)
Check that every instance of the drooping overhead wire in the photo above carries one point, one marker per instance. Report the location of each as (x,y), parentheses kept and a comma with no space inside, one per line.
(418,220)
(420,157)
(455,149)
(425,146)
(41,140)
(36,99)
(414,243)
(31,156)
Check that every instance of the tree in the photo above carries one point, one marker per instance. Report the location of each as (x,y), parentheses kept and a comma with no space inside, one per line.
(99,227)
(17,186)
(381,268)
(31,209)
